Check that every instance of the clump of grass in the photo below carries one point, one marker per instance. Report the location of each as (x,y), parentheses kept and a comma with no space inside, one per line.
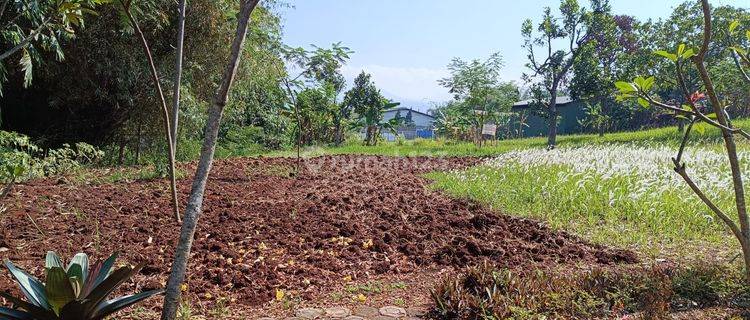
(273,170)
(653,292)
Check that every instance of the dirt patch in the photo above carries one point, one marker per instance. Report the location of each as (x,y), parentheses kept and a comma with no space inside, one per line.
(343,217)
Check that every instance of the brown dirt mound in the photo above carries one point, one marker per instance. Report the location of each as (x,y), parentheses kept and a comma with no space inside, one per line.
(345,216)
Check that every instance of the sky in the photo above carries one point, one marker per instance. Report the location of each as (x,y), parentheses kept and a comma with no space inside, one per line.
(406,44)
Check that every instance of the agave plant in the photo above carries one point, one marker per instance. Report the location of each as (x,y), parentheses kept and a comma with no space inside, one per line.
(75,292)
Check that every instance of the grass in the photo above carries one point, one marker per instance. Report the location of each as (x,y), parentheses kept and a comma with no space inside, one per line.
(617,190)
(440,147)
(599,209)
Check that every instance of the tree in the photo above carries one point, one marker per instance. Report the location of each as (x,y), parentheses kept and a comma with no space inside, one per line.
(368,105)
(696,112)
(195,201)
(551,73)
(321,67)
(607,57)
(126,7)
(473,84)
(32,25)
(178,72)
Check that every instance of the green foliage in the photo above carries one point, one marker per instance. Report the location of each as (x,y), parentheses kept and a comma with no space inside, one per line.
(475,86)
(365,100)
(23,160)
(490,293)
(30,27)
(77,291)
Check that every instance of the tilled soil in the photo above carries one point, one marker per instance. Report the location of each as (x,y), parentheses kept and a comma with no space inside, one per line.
(343,217)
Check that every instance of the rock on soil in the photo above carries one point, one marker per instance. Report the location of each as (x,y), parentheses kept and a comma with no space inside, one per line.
(263,229)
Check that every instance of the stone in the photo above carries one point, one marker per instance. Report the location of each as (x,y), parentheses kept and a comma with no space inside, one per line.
(383,318)
(393,311)
(354,318)
(414,313)
(366,312)
(309,313)
(337,312)
(265,318)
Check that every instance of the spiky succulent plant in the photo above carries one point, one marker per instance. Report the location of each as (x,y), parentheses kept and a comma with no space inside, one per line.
(75,292)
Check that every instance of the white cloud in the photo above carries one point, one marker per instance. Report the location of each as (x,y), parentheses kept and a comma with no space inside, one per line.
(417,84)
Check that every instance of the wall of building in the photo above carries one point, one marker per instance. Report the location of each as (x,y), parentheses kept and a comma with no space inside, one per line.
(536,126)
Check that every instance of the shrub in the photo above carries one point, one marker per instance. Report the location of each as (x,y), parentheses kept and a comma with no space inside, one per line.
(73,292)
(489,293)
(23,160)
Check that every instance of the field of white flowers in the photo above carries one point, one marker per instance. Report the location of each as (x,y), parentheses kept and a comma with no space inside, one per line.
(624,194)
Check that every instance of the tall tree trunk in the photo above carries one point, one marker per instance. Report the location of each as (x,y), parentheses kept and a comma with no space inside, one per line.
(167,125)
(121,152)
(195,202)
(178,72)
(552,136)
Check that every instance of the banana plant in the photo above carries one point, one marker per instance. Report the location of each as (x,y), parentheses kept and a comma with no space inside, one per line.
(75,292)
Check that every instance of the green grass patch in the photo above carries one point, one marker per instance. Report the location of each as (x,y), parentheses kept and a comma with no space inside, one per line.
(602,210)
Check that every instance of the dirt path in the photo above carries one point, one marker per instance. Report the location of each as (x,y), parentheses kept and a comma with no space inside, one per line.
(345,219)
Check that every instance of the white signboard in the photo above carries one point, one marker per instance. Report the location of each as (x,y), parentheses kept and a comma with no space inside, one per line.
(489,129)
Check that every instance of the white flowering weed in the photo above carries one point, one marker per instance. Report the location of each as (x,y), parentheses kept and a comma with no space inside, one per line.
(622,194)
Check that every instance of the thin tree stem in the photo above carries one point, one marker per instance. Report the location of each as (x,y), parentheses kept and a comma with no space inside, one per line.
(195,202)
(165,109)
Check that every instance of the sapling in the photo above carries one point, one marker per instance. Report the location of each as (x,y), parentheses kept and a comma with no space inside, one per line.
(703,108)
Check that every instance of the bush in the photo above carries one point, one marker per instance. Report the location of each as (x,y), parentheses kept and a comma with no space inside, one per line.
(24,160)
(489,293)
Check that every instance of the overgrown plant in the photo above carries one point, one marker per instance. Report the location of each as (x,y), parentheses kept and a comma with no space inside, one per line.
(75,292)
(21,159)
(702,109)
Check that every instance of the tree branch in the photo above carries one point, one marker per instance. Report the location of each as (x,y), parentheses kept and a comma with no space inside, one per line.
(737,62)
(24,42)
(680,169)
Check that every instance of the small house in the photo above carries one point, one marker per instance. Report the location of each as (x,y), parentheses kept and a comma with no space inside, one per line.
(414,124)
(530,122)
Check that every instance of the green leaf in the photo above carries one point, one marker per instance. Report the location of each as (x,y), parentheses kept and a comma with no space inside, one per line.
(58,289)
(700,127)
(52,260)
(30,286)
(120,303)
(711,116)
(739,50)
(687,108)
(82,261)
(100,292)
(643,102)
(665,54)
(733,26)
(105,269)
(680,49)
(36,311)
(11,314)
(625,87)
(689,53)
